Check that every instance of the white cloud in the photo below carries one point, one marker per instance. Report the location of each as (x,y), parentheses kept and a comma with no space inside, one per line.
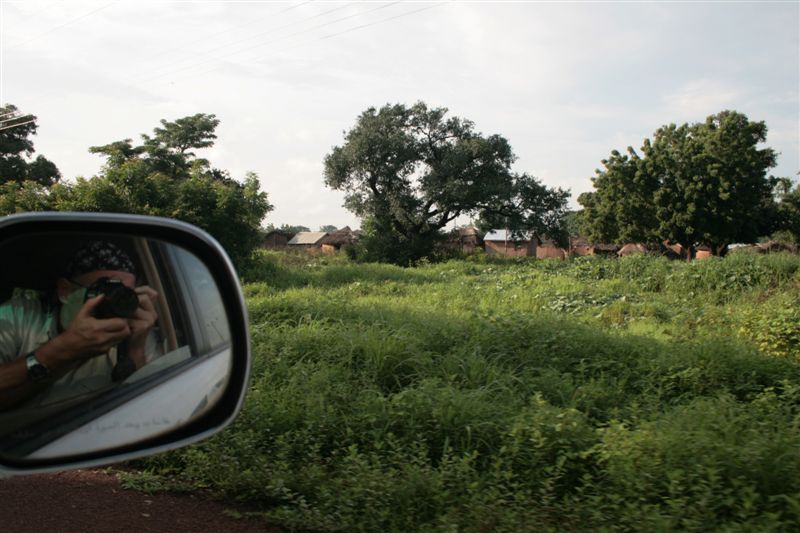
(565,83)
(695,100)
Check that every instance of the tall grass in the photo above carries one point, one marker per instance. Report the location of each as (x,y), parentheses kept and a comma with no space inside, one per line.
(519,395)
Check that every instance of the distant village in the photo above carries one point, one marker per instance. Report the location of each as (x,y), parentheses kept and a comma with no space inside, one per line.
(500,243)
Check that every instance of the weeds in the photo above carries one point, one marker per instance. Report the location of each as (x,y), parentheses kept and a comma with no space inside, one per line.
(590,394)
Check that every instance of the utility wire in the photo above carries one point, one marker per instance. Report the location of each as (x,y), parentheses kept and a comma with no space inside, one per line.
(54,28)
(381,21)
(191,75)
(15,125)
(264,43)
(12,119)
(207,37)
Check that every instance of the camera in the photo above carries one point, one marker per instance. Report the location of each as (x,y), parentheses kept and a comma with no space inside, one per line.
(119,302)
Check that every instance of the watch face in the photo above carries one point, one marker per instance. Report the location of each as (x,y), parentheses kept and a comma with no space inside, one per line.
(37,372)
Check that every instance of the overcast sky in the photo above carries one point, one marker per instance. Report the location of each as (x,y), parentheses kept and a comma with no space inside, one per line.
(565,83)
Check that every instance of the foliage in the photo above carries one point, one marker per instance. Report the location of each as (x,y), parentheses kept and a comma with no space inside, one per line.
(16,148)
(162,177)
(515,395)
(286,228)
(788,210)
(409,171)
(700,183)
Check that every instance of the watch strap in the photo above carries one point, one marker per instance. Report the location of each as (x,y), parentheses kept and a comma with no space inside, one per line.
(37,372)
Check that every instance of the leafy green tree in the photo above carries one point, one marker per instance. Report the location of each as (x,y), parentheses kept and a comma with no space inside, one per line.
(787,211)
(620,210)
(162,178)
(701,183)
(286,228)
(328,228)
(409,171)
(16,148)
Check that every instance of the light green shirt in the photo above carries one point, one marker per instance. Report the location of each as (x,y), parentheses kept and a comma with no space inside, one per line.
(28,320)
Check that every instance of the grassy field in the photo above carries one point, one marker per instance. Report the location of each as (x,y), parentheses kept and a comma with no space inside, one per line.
(479,395)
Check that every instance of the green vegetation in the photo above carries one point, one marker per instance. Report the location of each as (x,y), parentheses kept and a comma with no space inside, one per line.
(163,177)
(702,183)
(407,172)
(479,395)
(16,150)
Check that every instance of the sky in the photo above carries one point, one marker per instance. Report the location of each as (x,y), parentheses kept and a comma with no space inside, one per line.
(564,82)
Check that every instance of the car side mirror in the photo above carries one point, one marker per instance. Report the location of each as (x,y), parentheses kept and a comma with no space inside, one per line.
(120,336)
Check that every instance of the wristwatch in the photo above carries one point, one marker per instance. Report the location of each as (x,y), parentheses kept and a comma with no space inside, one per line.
(37,372)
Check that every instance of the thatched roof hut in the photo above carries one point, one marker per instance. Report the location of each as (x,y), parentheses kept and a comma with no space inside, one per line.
(336,239)
(276,239)
(632,249)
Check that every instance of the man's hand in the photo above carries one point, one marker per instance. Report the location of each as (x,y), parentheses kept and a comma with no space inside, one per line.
(88,336)
(145,316)
(141,323)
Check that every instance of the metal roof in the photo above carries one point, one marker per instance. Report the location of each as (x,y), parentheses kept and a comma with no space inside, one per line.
(307,237)
(503,235)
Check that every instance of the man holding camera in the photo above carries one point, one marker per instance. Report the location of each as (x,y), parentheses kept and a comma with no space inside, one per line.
(78,335)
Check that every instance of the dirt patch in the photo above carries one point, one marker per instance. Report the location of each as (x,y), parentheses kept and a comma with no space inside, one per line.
(92,500)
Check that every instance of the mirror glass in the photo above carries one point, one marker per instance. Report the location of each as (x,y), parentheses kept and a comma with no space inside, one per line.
(105,340)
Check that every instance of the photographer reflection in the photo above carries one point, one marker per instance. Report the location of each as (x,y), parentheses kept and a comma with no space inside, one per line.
(93,329)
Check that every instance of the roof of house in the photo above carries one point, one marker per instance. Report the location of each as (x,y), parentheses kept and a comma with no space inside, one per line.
(308,237)
(505,235)
(606,247)
(632,248)
(339,237)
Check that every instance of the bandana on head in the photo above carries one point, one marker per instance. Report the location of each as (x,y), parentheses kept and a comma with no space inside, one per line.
(98,255)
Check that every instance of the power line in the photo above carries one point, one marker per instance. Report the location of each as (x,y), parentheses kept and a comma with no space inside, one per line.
(270,42)
(15,125)
(264,43)
(327,36)
(15,118)
(54,28)
(205,38)
(382,21)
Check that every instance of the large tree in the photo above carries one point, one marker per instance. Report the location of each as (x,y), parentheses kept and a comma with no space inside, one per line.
(704,183)
(16,150)
(787,210)
(161,177)
(409,171)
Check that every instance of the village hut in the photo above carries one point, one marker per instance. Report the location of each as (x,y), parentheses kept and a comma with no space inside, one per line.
(549,249)
(605,249)
(775,246)
(337,239)
(580,246)
(505,243)
(703,252)
(466,240)
(309,241)
(276,239)
(632,249)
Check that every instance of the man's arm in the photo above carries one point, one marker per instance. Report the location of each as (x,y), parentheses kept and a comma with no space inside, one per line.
(86,337)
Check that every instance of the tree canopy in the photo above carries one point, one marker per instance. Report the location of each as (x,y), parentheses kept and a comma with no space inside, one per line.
(161,177)
(704,183)
(409,171)
(16,149)
(787,210)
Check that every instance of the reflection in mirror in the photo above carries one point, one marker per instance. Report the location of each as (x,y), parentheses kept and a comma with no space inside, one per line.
(105,340)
